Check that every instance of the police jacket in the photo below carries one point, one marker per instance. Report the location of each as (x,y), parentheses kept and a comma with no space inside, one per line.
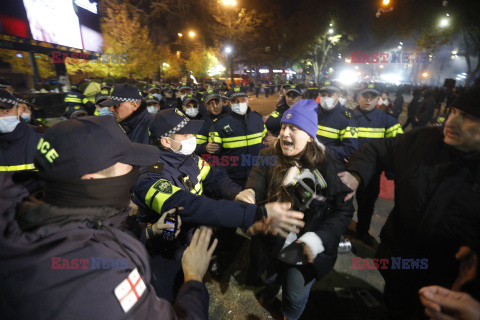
(327,219)
(136,126)
(17,149)
(375,124)
(181,181)
(202,135)
(436,198)
(241,137)
(77,263)
(337,131)
(77,99)
(273,123)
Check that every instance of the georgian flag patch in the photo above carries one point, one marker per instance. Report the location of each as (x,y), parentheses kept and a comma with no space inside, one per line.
(130,290)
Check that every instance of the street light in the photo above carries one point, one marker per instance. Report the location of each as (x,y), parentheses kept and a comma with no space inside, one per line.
(228,50)
(386,2)
(191,34)
(229,2)
(180,35)
(330,30)
(444,23)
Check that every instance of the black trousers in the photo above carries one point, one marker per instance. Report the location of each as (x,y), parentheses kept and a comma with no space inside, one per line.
(410,120)
(366,197)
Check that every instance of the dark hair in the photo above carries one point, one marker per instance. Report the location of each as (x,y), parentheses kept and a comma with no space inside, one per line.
(312,157)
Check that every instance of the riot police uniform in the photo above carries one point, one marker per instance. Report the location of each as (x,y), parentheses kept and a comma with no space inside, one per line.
(240,137)
(76,101)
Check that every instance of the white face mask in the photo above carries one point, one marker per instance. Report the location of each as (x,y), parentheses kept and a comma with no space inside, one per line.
(188,146)
(8,124)
(27,117)
(240,108)
(182,96)
(327,103)
(342,101)
(191,112)
(152,109)
(105,111)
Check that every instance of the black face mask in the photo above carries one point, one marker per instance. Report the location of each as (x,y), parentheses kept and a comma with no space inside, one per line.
(109,192)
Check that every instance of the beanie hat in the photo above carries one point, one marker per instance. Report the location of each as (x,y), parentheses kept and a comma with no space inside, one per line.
(469,102)
(304,115)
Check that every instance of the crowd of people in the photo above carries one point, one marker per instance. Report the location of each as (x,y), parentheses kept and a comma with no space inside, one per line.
(124,193)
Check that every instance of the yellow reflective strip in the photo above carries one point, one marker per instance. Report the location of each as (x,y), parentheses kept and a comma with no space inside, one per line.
(250,136)
(328,129)
(393,131)
(155,198)
(243,143)
(201,139)
(214,137)
(264,133)
(275,114)
(371,129)
(349,133)
(376,135)
(85,100)
(76,100)
(20,167)
(327,134)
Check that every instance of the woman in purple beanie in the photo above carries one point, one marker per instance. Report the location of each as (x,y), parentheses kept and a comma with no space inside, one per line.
(305,176)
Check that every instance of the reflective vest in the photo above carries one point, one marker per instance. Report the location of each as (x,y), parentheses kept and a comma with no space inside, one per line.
(375,124)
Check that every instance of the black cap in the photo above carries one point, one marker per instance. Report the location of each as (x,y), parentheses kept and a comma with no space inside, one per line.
(185,86)
(20,99)
(371,88)
(210,95)
(469,102)
(329,86)
(287,85)
(172,121)
(7,100)
(100,97)
(122,93)
(153,88)
(293,89)
(75,147)
(189,98)
(152,99)
(237,92)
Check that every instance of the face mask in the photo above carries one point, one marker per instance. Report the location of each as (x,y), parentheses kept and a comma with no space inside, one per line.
(240,108)
(8,124)
(342,101)
(27,117)
(191,112)
(188,146)
(327,103)
(152,109)
(182,96)
(105,111)
(158,96)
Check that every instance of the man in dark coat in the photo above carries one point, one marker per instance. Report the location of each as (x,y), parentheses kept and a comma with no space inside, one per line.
(437,183)
(70,257)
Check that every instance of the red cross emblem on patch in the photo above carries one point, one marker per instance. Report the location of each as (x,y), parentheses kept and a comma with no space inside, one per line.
(129,291)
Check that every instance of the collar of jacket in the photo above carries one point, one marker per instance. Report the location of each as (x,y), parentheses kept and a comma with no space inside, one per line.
(174,159)
(17,134)
(239,116)
(35,213)
(135,118)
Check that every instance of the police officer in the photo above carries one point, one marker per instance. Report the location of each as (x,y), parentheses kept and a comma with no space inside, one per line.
(153,104)
(156,92)
(292,95)
(372,124)
(17,146)
(125,102)
(170,100)
(239,135)
(74,240)
(183,91)
(336,125)
(29,113)
(215,110)
(190,107)
(258,86)
(179,180)
(77,103)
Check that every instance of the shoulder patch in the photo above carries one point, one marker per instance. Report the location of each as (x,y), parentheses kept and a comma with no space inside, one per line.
(347,114)
(156,168)
(163,185)
(215,120)
(130,290)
